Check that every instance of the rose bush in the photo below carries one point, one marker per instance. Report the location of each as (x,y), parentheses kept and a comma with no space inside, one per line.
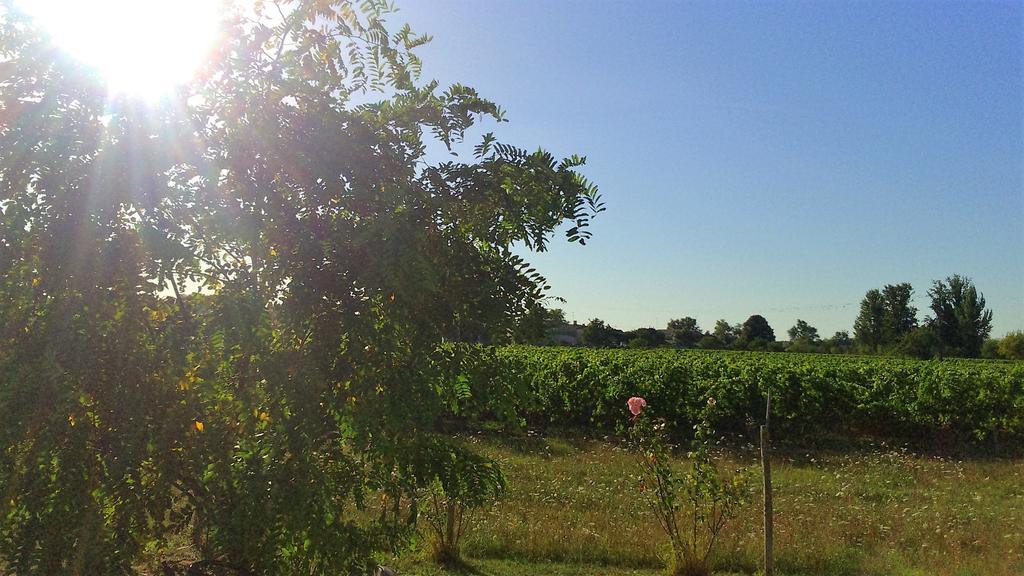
(692,505)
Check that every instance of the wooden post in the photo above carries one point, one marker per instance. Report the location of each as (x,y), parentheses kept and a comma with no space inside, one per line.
(766,468)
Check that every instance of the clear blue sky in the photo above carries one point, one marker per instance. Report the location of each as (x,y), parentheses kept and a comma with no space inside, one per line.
(771,158)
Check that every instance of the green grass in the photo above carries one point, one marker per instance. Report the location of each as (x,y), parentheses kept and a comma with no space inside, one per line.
(571,508)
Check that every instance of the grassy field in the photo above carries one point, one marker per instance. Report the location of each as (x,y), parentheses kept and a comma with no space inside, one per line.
(570,510)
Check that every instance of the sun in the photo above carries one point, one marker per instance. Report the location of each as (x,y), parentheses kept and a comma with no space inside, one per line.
(141,48)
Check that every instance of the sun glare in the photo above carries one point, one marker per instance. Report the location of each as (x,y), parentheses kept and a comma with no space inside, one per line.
(140,47)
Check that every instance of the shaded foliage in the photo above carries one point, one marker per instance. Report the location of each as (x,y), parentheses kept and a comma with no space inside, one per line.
(684,332)
(598,334)
(961,322)
(726,333)
(645,338)
(756,333)
(869,327)
(1011,346)
(803,337)
(538,325)
(839,343)
(899,317)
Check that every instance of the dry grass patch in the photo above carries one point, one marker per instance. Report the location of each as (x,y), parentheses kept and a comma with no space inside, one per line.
(878,512)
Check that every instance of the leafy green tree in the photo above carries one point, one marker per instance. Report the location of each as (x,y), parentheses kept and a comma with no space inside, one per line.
(803,337)
(885,317)
(755,345)
(597,334)
(710,342)
(961,321)
(466,481)
(239,316)
(756,328)
(869,327)
(537,325)
(899,317)
(684,332)
(645,338)
(990,349)
(802,331)
(91,354)
(839,343)
(1011,346)
(726,333)
(920,343)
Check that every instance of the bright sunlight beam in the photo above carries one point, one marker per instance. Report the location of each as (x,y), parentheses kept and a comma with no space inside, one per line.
(141,47)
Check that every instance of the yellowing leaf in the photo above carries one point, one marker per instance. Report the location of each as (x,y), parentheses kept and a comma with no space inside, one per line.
(199,426)
(188,380)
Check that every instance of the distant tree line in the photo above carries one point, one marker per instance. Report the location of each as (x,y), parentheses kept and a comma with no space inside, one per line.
(887,324)
(753,334)
(959,324)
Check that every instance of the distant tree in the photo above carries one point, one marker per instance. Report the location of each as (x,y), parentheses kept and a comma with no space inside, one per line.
(803,337)
(710,342)
(869,327)
(645,338)
(726,333)
(920,343)
(1011,347)
(961,321)
(885,317)
(537,325)
(755,345)
(839,343)
(555,316)
(684,332)
(990,349)
(899,317)
(597,334)
(756,328)
(803,331)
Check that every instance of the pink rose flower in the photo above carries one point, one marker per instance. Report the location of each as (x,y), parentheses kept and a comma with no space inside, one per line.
(636,405)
